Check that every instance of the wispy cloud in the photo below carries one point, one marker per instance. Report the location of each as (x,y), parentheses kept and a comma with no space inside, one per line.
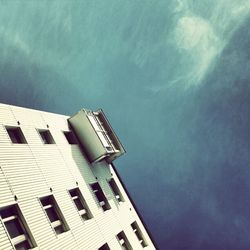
(199,39)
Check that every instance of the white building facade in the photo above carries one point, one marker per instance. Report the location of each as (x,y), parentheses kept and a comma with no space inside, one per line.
(58,186)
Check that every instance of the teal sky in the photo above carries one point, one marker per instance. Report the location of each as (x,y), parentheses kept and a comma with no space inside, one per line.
(172,77)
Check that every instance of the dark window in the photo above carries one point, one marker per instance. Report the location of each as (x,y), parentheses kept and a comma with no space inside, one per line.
(54,214)
(101,198)
(138,234)
(104,247)
(80,204)
(16,135)
(17,228)
(122,239)
(46,136)
(115,190)
(23,246)
(14,228)
(70,136)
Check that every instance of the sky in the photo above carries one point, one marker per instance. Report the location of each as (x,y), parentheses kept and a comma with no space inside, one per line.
(172,77)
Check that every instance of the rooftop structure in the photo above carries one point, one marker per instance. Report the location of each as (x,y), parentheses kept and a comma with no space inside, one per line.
(59,188)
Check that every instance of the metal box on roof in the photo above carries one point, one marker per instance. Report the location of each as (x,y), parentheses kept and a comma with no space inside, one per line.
(96,136)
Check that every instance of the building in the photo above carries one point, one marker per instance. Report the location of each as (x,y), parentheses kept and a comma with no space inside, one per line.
(58,186)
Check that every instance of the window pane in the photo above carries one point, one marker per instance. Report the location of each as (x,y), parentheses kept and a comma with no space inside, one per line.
(59,229)
(85,216)
(12,136)
(8,212)
(52,214)
(46,201)
(70,137)
(16,135)
(14,228)
(103,202)
(46,137)
(103,139)
(73,193)
(79,204)
(23,246)
(94,123)
(116,190)
(104,247)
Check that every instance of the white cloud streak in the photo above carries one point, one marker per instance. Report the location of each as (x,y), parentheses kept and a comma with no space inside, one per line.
(203,39)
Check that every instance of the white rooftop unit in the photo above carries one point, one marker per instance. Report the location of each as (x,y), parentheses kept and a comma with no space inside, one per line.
(96,136)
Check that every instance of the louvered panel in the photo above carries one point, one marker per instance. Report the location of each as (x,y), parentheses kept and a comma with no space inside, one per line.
(114,244)
(120,211)
(108,224)
(55,120)
(4,138)
(133,238)
(5,193)
(60,138)
(28,117)
(79,167)
(4,239)
(89,236)
(62,241)
(65,241)
(31,135)
(124,211)
(15,152)
(25,178)
(53,166)
(70,211)
(22,115)
(6,115)
(40,226)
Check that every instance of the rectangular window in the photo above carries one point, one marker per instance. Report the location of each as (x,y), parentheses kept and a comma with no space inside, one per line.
(46,136)
(102,200)
(16,135)
(122,239)
(80,203)
(104,247)
(17,228)
(102,133)
(138,234)
(116,190)
(70,136)
(54,214)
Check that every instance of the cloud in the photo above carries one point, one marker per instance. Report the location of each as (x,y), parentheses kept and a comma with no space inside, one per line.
(201,38)
(196,37)
(15,39)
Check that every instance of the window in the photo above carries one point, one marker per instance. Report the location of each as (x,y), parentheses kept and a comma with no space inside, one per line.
(46,136)
(16,227)
(104,247)
(122,239)
(16,135)
(138,233)
(102,200)
(70,137)
(54,214)
(80,204)
(102,133)
(115,190)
